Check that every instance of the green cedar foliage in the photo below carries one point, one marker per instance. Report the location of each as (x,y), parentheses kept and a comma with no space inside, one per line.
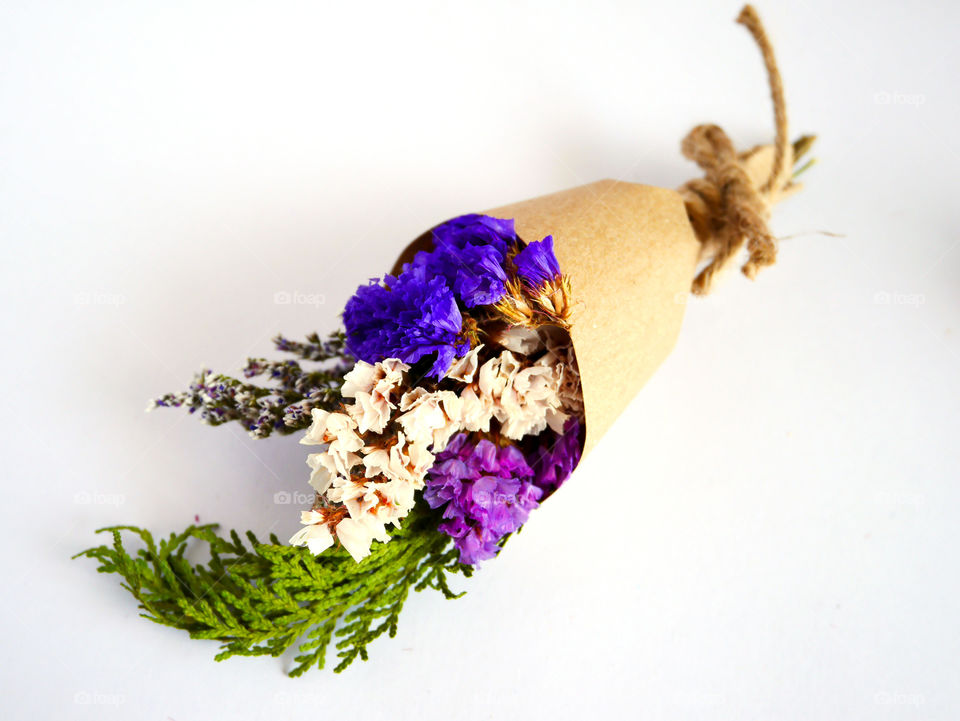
(261,599)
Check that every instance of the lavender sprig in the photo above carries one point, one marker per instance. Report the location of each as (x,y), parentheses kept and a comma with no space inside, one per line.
(316,348)
(285,404)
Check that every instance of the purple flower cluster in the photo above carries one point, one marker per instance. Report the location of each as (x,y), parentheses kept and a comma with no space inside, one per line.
(488,491)
(537,264)
(470,253)
(416,314)
(409,316)
(554,462)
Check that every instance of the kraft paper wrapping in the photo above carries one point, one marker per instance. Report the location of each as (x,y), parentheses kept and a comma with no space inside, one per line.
(631,254)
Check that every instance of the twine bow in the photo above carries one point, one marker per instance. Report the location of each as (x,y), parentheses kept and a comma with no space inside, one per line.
(730,205)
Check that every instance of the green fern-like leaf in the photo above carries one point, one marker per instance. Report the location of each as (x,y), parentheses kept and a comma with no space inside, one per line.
(263,598)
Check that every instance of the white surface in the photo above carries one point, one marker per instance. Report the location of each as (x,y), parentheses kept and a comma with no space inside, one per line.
(771,530)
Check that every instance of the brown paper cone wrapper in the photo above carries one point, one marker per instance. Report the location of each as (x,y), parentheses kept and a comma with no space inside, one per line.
(631,254)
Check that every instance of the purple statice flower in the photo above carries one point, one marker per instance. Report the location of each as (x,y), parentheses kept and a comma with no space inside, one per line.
(470,253)
(557,456)
(486,491)
(409,317)
(537,264)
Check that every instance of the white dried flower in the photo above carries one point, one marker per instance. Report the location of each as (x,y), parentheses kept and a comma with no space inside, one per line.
(477,409)
(356,535)
(372,388)
(519,339)
(402,461)
(560,353)
(387,501)
(430,418)
(365,377)
(524,398)
(328,427)
(315,535)
(463,369)
(495,374)
(530,395)
(338,431)
(320,473)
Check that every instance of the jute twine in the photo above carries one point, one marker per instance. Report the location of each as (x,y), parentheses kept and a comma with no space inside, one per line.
(727,207)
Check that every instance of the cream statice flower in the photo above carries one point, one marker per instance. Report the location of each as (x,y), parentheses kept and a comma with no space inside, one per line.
(315,534)
(560,353)
(431,418)
(328,427)
(531,400)
(519,339)
(322,471)
(369,506)
(402,461)
(368,481)
(477,410)
(339,432)
(481,399)
(322,525)
(386,502)
(366,377)
(465,368)
(356,535)
(523,398)
(371,387)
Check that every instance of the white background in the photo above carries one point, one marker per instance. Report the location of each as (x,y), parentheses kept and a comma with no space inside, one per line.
(770,531)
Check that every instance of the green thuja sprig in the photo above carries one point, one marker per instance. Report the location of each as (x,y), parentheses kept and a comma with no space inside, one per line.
(261,599)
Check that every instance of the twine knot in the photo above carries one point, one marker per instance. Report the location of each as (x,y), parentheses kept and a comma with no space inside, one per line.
(730,204)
